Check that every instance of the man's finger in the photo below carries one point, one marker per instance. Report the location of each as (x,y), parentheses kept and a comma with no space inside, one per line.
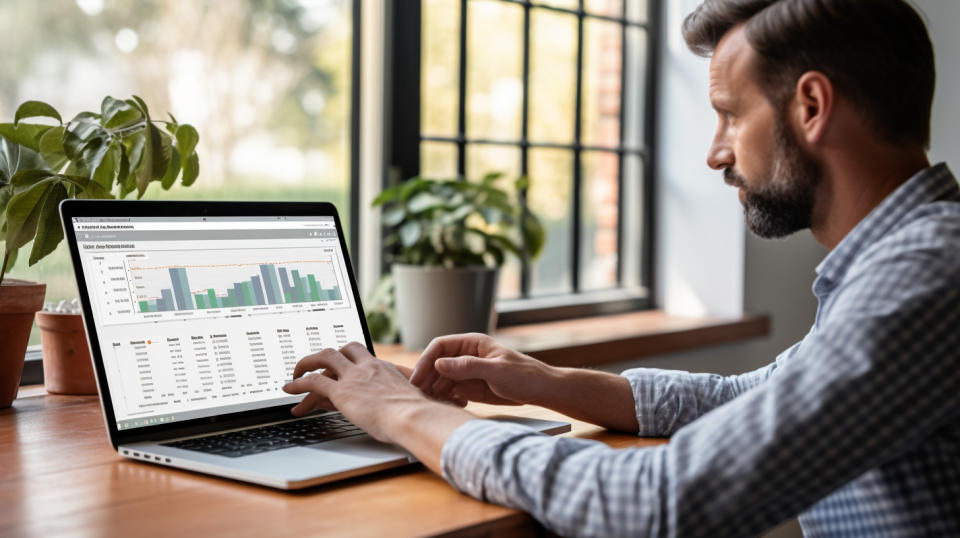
(312,402)
(356,352)
(463,368)
(320,384)
(327,358)
(444,346)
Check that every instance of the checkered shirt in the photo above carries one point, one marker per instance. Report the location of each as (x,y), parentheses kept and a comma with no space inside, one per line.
(856,428)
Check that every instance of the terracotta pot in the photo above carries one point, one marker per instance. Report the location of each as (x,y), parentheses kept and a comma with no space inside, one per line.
(19,300)
(67,368)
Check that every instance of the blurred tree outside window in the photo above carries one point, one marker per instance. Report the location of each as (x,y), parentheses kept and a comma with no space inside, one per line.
(267,83)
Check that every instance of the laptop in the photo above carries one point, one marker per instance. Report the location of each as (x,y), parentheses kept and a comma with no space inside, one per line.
(196,314)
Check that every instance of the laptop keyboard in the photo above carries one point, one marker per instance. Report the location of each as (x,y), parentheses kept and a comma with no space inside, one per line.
(274,437)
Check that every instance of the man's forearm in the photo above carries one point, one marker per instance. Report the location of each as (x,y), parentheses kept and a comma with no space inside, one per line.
(423,429)
(596,397)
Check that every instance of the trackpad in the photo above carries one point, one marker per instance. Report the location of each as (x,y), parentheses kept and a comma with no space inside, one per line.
(362,446)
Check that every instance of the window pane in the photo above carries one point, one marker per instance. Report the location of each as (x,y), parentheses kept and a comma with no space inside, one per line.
(637,10)
(549,197)
(601,83)
(438,160)
(611,8)
(632,221)
(440,67)
(494,69)
(485,158)
(553,76)
(266,84)
(635,90)
(598,234)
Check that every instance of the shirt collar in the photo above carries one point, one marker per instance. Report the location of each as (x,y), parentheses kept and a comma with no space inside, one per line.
(928,185)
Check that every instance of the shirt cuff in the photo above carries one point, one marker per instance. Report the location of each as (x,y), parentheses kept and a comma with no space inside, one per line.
(643,382)
(468,454)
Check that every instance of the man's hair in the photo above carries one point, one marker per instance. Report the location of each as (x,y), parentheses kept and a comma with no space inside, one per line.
(875,52)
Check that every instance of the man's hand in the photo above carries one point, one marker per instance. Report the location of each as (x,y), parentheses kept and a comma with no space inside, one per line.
(376,396)
(474,367)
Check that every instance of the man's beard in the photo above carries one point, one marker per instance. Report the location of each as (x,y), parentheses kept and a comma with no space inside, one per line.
(782,204)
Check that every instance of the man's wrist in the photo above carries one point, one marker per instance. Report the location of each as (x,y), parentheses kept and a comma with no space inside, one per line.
(423,427)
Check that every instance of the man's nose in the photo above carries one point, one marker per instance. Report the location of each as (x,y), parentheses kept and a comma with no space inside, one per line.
(720,156)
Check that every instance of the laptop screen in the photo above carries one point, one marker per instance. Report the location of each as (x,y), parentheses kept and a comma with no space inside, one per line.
(203,316)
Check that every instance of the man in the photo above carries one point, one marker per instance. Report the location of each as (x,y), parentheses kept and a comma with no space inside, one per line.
(824,111)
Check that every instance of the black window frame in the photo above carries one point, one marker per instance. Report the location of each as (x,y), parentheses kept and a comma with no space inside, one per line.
(402,138)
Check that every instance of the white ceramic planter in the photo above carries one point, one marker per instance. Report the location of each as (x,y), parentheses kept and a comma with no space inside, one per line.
(434,301)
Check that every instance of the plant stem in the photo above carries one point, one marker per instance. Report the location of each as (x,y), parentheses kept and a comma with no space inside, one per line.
(3,270)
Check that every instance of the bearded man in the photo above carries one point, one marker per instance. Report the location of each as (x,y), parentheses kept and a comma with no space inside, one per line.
(823,123)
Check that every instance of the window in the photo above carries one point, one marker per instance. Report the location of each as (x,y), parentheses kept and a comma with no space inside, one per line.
(270,86)
(560,91)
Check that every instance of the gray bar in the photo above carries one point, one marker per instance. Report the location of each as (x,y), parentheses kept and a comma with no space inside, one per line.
(200,235)
(270,283)
(257,290)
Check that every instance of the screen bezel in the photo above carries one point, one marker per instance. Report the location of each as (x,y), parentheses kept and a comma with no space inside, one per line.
(71,208)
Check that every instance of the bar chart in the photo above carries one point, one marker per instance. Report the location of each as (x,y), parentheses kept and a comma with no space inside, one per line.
(237,283)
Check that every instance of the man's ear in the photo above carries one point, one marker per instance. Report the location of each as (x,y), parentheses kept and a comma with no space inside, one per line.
(813,105)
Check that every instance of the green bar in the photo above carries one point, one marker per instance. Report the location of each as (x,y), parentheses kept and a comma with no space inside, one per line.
(201,304)
(247,294)
(335,294)
(144,306)
(314,289)
(231,298)
(212,298)
(287,298)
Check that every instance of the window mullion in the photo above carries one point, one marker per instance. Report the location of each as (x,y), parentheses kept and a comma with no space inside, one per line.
(576,208)
(524,148)
(620,155)
(462,98)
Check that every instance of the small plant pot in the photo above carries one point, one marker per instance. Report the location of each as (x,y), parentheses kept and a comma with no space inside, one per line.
(435,301)
(67,368)
(19,300)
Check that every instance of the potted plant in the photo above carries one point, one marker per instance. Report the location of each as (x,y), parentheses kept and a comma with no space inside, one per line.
(111,153)
(449,238)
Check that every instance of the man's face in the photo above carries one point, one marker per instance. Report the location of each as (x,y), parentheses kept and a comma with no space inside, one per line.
(755,147)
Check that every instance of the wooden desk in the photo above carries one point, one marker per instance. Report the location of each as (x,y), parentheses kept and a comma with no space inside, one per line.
(59,476)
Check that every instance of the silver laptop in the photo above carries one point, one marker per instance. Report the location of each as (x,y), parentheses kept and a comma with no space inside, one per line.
(196,314)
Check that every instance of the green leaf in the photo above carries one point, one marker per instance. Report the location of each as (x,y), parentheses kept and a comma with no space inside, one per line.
(393,215)
(118,113)
(161,152)
(33,109)
(172,171)
(490,178)
(87,188)
(138,102)
(26,134)
(14,157)
(423,201)
(191,169)
(187,139)
(93,153)
(107,171)
(387,195)
(13,258)
(534,236)
(522,183)
(411,186)
(410,233)
(144,169)
(6,193)
(23,213)
(49,229)
(51,149)
(27,178)
(78,135)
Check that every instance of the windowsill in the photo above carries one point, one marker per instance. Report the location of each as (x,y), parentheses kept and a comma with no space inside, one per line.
(599,340)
